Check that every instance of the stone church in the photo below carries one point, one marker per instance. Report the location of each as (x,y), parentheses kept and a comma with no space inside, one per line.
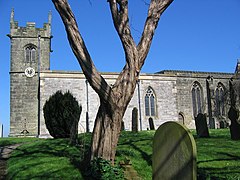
(167,95)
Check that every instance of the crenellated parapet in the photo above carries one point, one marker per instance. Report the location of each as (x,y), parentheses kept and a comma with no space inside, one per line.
(30,30)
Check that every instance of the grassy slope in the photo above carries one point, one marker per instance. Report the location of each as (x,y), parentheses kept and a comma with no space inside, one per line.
(45,159)
(218,157)
(19,140)
(138,148)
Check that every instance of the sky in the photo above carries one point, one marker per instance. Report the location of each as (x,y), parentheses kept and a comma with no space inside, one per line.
(194,35)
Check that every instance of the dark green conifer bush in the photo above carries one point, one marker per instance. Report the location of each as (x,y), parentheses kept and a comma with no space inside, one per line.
(61,114)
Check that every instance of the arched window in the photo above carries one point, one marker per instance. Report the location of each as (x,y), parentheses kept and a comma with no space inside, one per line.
(30,54)
(219,98)
(150,105)
(197,101)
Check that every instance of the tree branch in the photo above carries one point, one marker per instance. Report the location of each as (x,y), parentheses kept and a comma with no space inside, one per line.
(119,11)
(156,8)
(80,50)
(125,83)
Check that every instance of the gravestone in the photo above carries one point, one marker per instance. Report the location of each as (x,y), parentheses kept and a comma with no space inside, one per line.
(151,124)
(135,119)
(233,115)
(201,125)
(222,124)
(174,153)
(122,126)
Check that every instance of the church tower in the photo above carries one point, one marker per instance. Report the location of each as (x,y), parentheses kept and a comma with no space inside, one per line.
(30,54)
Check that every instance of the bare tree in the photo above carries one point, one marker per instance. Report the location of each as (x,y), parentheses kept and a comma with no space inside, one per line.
(113,99)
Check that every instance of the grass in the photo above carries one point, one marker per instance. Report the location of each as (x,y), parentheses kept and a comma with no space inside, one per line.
(137,147)
(45,159)
(218,157)
(8,141)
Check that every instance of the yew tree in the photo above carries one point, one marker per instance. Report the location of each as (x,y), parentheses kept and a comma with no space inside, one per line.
(114,99)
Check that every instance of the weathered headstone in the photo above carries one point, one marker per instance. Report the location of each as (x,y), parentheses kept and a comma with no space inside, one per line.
(135,119)
(174,153)
(233,115)
(201,125)
(151,124)
(222,124)
(122,126)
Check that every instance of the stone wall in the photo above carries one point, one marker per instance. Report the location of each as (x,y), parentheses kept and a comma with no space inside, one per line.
(75,82)
(24,89)
(172,96)
(184,83)
(23,104)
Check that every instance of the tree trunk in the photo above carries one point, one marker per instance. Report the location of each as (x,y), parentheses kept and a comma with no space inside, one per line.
(106,132)
(108,122)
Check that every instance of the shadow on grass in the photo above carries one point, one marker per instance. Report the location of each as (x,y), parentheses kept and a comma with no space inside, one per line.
(136,144)
(228,157)
(45,159)
(224,167)
(218,173)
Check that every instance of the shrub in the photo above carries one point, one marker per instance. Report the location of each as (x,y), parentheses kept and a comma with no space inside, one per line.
(102,169)
(61,114)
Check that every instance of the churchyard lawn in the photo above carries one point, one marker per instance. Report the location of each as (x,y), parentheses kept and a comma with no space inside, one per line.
(218,157)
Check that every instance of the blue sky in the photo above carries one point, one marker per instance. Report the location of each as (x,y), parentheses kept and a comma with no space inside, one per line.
(196,35)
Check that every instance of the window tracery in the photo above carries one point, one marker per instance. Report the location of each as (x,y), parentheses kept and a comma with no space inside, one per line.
(150,104)
(197,101)
(219,99)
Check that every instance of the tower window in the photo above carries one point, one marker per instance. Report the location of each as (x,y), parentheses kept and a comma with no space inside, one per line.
(150,106)
(30,54)
(197,99)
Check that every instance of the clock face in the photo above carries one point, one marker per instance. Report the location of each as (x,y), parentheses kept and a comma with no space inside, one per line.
(29,72)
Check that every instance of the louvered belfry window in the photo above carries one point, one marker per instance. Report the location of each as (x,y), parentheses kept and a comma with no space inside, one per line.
(30,54)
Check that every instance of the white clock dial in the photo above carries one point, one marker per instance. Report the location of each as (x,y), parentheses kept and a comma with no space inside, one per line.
(29,72)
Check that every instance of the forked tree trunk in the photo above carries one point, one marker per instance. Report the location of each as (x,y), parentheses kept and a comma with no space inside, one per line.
(107,125)
(115,99)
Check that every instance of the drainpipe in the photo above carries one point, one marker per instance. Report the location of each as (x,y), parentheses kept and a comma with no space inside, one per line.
(87,116)
(39,69)
(139,104)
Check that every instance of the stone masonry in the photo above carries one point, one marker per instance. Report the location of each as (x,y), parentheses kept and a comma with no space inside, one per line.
(28,45)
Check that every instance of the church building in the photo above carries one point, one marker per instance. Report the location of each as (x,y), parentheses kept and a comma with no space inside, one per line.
(167,95)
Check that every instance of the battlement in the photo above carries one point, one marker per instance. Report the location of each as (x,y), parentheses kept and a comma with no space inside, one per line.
(30,30)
